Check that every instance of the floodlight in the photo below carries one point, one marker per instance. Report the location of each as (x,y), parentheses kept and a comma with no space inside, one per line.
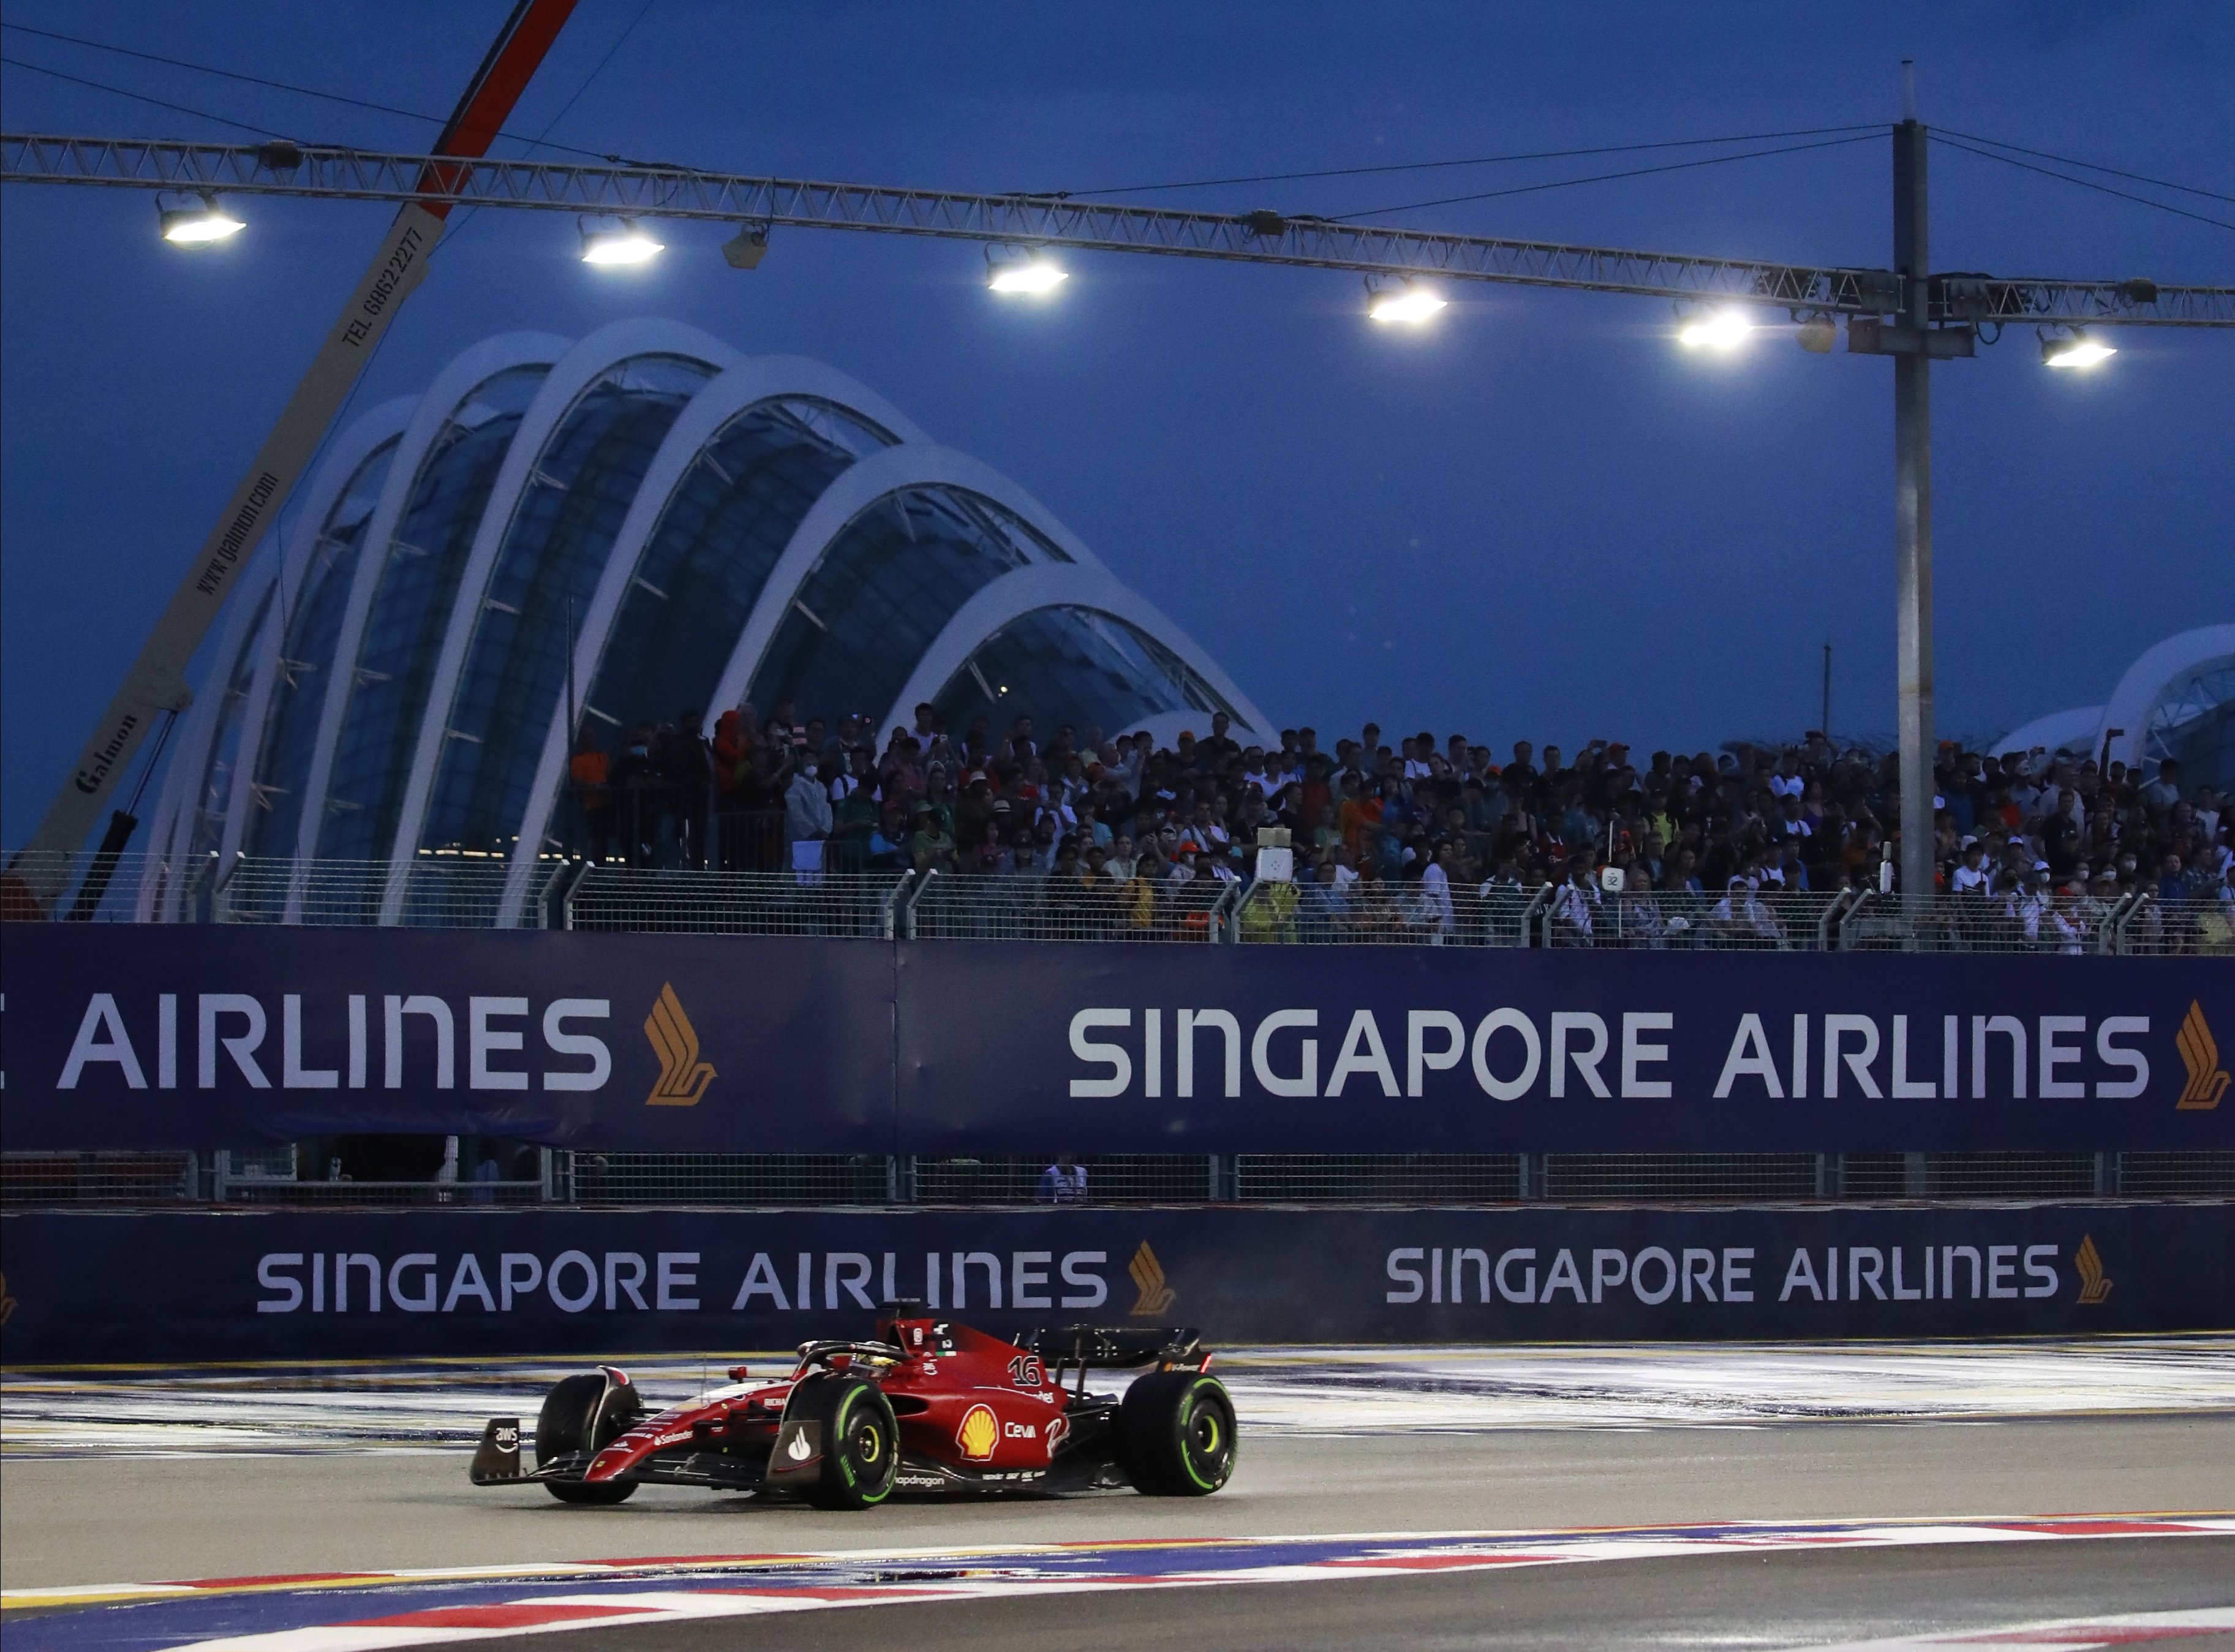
(2077,349)
(1034,276)
(1403,302)
(200,224)
(627,245)
(1818,334)
(1724,329)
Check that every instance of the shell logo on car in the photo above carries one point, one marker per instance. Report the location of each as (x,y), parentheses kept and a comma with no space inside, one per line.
(980,1433)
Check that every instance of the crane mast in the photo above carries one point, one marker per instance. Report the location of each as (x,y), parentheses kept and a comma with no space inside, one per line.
(156,684)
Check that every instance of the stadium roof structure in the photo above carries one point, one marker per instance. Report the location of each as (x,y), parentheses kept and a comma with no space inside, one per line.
(559,539)
(2177,700)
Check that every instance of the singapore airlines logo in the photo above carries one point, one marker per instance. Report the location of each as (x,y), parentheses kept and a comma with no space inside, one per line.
(2095,1283)
(683,1076)
(1149,1274)
(2199,1053)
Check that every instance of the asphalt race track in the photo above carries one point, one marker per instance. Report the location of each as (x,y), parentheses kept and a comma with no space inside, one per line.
(1513,1498)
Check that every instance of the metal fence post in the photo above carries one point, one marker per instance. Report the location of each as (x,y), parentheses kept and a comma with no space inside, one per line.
(1831,1175)
(2106,940)
(888,926)
(900,1178)
(2109,1171)
(1528,917)
(1912,1174)
(1847,919)
(2118,933)
(1530,1184)
(906,925)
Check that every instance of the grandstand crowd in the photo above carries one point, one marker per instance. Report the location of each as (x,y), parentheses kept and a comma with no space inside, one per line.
(1410,833)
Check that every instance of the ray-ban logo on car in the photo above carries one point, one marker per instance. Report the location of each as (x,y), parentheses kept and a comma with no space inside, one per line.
(2199,1053)
(683,1076)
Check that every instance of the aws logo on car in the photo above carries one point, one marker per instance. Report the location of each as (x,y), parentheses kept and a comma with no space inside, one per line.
(683,1077)
(980,1433)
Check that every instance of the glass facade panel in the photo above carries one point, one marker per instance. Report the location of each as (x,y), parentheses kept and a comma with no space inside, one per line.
(547,569)
(418,585)
(213,797)
(1073,666)
(704,564)
(880,595)
(306,655)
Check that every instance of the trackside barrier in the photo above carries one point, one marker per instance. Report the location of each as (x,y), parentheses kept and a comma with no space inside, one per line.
(146,1036)
(299,1285)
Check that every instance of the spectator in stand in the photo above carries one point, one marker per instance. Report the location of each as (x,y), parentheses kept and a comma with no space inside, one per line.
(1432,838)
(587,770)
(1062,1183)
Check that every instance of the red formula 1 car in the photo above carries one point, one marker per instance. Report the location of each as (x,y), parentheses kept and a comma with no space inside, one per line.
(928,1406)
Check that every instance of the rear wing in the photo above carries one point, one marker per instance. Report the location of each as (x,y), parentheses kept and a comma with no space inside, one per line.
(1089,1347)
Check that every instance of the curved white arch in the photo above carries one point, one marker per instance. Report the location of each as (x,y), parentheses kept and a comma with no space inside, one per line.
(755,380)
(574,373)
(891,471)
(356,445)
(452,385)
(2135,700)
(2077,729)
(175,818)
(1053,585)
(349,450)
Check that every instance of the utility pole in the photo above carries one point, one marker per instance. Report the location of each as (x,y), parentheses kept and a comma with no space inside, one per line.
(1910,338)
(1912,500)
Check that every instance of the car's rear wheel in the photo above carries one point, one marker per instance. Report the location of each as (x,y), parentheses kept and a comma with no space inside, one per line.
(573,1421)
(1175,1434)
(861,1443)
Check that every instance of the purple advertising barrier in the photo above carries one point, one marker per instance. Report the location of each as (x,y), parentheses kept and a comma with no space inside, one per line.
(297,1285)
(122,1036)
(213,1035)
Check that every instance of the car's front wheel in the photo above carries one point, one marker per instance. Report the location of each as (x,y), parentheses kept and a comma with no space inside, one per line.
(1175,1434)
(861,1443)
(575,1420)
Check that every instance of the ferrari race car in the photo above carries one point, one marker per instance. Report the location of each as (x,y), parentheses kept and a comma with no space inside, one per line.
(928,1406)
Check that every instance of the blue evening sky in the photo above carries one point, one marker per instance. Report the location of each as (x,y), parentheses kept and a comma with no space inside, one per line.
(1537,518)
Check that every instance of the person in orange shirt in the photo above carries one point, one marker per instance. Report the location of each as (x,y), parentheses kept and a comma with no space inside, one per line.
(588,770)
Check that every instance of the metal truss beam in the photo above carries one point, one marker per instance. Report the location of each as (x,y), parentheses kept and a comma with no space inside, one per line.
(1035,220)
(2126,303)
(1047,220)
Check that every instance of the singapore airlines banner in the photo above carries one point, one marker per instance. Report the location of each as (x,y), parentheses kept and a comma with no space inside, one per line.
(210,1036)
(293,1284)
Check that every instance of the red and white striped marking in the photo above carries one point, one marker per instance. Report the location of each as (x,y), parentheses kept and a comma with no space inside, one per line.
(631,1593)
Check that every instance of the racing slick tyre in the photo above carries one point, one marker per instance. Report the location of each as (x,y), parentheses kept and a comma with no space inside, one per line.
(1175,1434)
(861,1443)
(566,1426)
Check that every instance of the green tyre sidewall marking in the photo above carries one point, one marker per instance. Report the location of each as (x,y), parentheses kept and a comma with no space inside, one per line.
(1187,1420)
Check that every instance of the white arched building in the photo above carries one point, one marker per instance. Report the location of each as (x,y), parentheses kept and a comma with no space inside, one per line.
(638,523)
(2177,700)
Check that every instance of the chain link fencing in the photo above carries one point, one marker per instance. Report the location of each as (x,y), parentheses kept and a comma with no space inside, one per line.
(826,893)
(269,1177)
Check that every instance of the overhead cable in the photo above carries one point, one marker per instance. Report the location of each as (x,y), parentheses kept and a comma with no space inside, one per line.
(1603,177)
(2085,166)
(142,97)
(287,86)
(2084,183)
(1477,161)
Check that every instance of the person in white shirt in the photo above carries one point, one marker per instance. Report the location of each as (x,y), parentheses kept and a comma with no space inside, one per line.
(1970,876)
